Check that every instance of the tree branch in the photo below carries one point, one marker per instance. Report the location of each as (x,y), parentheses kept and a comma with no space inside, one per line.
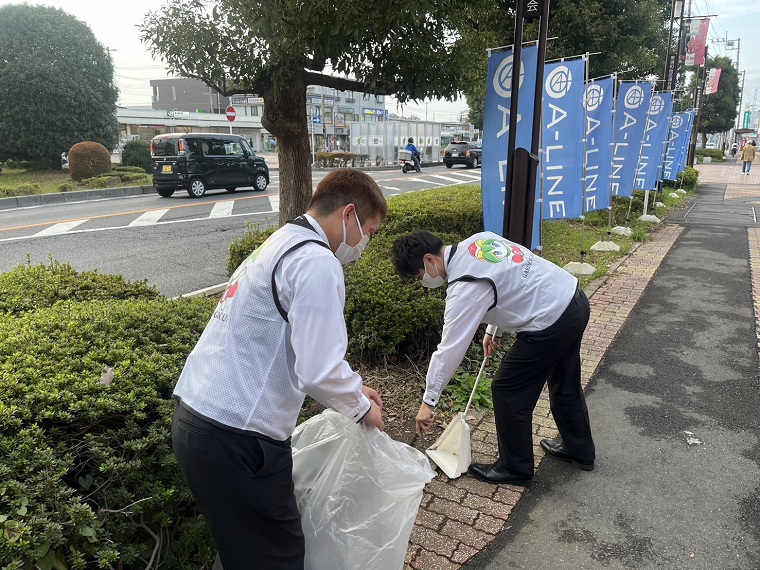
(344,84)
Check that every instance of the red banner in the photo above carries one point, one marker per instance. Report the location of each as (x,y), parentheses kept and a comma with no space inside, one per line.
(713,78)
(696,42)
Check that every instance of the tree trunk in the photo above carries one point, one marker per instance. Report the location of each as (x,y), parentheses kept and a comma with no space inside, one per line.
(285,117)
(704,140)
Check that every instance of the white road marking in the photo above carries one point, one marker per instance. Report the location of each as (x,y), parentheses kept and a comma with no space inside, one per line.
(457,180)
(222,209)
(465,174)
(430,181)
(61,228)
(148,218)
(392,188)
(274,203)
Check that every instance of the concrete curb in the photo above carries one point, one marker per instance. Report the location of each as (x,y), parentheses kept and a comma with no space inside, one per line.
(76,196)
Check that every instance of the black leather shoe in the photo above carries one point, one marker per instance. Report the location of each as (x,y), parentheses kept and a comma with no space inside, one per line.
(495,473)
(556,448)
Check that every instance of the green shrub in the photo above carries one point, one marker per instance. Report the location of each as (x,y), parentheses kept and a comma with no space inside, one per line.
(455,210)
(67,187)
(137,153)
(27,189)
(102,182)
(334,158)
(28,287)
(132,169)
(88,159)
(5,192)
(136,177)
(88,475)
(688,179)
(716,154)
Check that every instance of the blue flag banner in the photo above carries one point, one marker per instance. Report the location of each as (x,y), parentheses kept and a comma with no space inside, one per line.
(684,154)
(653,147)
(496,128)
(562,140)
(631,110)
(679,131)
(599,106)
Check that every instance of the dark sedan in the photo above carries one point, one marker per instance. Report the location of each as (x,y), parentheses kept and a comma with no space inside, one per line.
(462,152)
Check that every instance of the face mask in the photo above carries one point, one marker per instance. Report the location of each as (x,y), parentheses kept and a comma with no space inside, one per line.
(431,282)
(345,253)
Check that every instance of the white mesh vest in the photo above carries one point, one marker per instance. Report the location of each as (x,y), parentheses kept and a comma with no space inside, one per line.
(240,374)
(530,293)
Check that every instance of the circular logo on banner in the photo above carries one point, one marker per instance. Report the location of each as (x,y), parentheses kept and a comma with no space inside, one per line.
(502,79)
(593,97)
(657,105)
(634,98)
(559,82)
(676,122)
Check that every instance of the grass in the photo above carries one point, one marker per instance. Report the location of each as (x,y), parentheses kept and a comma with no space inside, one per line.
(49,180)
(16,182)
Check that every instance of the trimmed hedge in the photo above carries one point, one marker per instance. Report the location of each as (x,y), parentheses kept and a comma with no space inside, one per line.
(88,477)
(88,159)
(29,287)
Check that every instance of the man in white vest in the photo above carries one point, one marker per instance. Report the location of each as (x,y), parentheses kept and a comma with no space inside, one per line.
(503,284)
(277,334)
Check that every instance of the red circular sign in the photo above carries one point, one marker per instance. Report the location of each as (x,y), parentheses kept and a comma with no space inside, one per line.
(230,112)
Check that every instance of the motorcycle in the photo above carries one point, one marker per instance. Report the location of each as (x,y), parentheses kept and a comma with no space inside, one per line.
(407,162)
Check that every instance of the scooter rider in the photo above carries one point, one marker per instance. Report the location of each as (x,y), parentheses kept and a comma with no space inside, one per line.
(415,153)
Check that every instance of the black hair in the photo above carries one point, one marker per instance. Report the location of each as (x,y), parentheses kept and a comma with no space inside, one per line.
(410,140)
(409,250)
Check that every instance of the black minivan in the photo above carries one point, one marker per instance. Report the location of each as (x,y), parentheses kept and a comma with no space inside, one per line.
(197,162)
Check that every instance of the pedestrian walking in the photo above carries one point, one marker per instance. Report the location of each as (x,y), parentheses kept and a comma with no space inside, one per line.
(277,334)
(495,281)
(748,155)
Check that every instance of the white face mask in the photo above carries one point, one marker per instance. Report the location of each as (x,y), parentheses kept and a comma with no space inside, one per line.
(345,253)
(431,282)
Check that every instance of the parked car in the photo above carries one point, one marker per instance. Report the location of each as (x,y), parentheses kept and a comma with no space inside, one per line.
(197,162)
(462,152)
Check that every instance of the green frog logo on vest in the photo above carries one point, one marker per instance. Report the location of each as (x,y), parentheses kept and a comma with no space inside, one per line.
(495,251)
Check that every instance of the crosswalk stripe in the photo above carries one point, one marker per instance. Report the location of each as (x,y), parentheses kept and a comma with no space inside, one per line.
(465,175)
(148,218)
(61,228)
(430,181)
(274,203)
(459,180)
(222,209)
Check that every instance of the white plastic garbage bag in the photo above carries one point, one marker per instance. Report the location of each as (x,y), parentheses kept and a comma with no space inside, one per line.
(358,491)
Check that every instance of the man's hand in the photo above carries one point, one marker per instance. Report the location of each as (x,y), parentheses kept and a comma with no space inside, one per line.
(490,345)
(373,396)
(424,418)
(374,417)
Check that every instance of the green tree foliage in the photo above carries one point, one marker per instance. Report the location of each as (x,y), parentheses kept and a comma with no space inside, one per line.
(57,85)
(275,48)
(623,35)
(718,113)
(137,153)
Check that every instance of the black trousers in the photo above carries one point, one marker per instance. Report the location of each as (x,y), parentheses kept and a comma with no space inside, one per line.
(552,355)
(243,485)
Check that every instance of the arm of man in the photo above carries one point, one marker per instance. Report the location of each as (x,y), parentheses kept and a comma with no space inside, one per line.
(467,303)
(320,340)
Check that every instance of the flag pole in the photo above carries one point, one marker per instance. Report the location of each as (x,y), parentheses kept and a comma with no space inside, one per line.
(609,245)
(573,267)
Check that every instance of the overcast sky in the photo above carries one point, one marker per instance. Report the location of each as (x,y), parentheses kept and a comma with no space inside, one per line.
(115,23)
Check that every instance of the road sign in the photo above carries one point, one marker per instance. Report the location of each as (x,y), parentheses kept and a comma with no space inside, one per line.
(178,114)
(231,114)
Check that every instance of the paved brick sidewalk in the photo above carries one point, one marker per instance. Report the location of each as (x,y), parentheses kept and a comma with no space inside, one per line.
(458,518)
(754,267)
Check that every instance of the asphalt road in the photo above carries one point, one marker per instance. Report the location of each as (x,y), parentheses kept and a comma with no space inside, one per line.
(674,412)
(179,244)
